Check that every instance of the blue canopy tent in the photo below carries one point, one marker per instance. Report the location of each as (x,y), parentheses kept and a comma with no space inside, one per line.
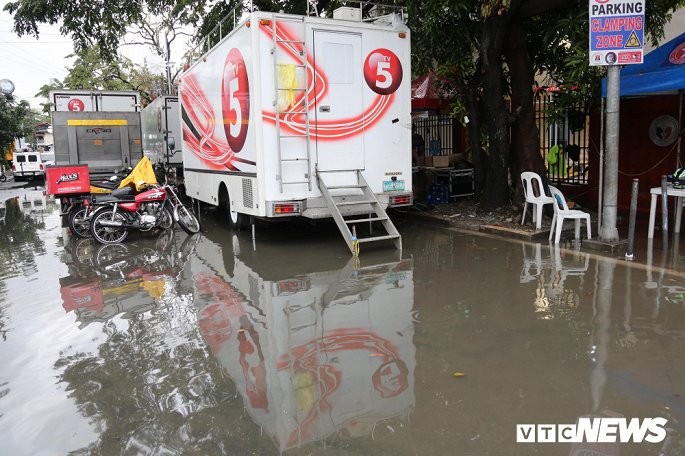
(662,72)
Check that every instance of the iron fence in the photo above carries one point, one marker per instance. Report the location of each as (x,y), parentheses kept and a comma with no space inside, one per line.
(441,135)
(564,143)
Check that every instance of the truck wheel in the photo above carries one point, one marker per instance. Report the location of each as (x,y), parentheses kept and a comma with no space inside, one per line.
(239,221)
(105,234)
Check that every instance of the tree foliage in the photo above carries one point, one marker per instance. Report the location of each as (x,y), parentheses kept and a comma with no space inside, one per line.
(16,121)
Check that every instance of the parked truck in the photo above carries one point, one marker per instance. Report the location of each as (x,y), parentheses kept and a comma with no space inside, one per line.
(161,123)
(303,116)
(100,129)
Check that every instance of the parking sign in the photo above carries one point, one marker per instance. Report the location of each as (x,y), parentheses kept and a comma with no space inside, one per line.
(616,32)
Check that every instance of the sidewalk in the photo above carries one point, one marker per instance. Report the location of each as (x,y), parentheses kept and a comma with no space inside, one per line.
(506,223)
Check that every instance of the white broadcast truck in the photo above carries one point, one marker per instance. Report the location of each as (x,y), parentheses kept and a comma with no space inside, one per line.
(303,116)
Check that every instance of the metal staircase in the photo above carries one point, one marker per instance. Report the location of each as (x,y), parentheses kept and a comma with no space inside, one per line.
(357,202)
(282,49)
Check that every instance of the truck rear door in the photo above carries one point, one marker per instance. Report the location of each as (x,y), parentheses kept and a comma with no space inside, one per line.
(339,110)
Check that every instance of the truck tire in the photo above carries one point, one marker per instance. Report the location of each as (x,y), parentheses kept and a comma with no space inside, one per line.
(239,221)
(235,219)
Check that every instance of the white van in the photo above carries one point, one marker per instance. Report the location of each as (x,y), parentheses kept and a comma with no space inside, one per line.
(28,166)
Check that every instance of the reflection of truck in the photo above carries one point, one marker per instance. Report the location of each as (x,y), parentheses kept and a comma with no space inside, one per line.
(312,353)
(161,123)
(100,129)
(302,116)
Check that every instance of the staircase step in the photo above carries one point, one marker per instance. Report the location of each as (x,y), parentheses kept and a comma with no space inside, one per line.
(379,238)
(354,203)
(337,187)
(372,219)
(294,182)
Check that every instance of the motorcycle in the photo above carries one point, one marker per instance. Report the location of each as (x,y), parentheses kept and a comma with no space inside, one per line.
(124,211)
(77,209)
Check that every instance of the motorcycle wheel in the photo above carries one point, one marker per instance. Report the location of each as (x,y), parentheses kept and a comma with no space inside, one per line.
(105,234)
(79,223)
(3,178)
(187,220)
(166,219)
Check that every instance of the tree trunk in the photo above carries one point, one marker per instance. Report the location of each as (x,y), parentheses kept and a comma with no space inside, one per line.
(478,157)
(525,150)
(496,191)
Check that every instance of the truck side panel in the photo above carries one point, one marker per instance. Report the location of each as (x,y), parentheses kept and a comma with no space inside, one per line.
(218,125)
(161,120)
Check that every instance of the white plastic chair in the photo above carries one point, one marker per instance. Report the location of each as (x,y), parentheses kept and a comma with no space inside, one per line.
(537,199)
(562,212)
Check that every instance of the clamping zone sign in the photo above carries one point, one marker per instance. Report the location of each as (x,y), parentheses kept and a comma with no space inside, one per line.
(616,32)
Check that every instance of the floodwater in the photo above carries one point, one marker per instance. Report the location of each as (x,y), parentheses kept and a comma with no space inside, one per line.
(218,344)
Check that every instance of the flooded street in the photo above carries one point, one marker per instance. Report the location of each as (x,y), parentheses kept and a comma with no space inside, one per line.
(215,344)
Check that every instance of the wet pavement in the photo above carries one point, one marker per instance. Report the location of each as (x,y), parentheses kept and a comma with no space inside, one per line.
(218,344)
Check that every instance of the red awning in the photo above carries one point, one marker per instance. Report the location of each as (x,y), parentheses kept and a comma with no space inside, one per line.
(424,93)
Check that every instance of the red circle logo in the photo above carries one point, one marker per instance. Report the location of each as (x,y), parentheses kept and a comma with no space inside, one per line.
(677,55)
(75,105)
(383,71)
(235,96)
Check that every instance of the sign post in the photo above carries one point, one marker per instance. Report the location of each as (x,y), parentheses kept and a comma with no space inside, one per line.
(616,38)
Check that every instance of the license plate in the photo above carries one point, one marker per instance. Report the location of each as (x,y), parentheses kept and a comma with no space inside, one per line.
(393,186)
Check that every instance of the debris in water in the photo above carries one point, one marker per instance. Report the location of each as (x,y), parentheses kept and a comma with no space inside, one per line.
(458,374)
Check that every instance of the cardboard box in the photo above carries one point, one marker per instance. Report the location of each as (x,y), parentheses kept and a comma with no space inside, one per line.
(440,161)
(67,179)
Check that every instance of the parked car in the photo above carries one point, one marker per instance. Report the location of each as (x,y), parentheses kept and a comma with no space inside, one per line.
(28,165)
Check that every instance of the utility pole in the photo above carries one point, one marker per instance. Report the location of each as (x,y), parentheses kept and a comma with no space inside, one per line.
(608,230)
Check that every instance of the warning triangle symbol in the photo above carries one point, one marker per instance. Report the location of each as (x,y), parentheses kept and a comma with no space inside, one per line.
(633,41)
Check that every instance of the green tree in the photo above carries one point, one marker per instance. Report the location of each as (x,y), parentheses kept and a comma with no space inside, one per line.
(16,121)
(499,46)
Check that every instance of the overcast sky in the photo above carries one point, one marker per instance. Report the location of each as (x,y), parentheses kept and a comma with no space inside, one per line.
(30,63)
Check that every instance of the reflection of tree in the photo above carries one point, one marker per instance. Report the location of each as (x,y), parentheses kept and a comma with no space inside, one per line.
(145,394)
(19,240)
(19,244)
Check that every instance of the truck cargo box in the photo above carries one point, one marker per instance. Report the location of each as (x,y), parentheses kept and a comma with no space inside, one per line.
(105,141)
(286,111)
(94,100)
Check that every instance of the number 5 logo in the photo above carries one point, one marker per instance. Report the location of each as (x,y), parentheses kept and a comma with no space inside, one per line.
(383,71)
(235,96)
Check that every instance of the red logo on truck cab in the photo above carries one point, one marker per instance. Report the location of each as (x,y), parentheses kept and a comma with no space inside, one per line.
(235,100)
(383,71)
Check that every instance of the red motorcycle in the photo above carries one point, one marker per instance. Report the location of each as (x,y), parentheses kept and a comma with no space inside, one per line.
(122,211)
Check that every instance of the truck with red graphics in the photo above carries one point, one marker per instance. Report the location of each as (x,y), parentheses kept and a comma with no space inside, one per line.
(303,116)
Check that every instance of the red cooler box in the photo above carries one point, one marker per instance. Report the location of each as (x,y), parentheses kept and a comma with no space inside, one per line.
(67,179)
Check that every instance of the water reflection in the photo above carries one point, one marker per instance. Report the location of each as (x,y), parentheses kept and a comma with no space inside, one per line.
(550,271)
(121,279)
(22,218)
(312,354)
(629,334)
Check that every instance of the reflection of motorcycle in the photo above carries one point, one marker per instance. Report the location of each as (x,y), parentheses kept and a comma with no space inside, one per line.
(111,279)
(123,211)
